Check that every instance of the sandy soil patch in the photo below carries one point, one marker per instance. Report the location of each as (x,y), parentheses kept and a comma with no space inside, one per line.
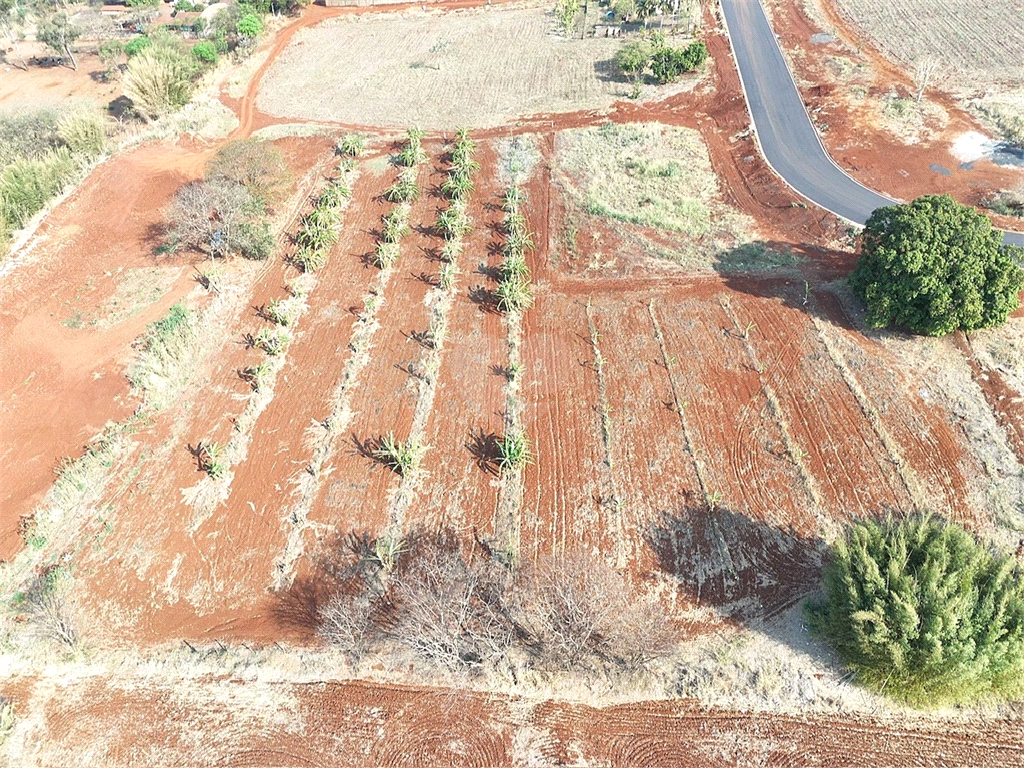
(441,70)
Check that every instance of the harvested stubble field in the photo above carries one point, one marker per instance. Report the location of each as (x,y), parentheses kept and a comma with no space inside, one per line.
(478,67)
(977,42)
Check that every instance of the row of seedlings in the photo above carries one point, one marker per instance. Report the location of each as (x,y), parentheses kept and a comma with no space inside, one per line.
(453,224)
(317,234)
(403,193)
(514,296)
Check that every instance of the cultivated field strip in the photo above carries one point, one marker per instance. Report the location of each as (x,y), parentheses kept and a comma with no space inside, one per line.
(356,492)
(740,448)
(854,472)
(459,484)
(162,550)
(652,468)
(562,496)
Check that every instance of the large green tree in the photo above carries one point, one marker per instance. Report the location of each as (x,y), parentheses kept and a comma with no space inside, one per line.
(922,611)
(934,266)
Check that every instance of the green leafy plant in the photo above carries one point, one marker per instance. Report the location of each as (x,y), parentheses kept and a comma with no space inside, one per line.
(273,342)
(257,375)
(920,610)
(351,145)
(452,222)
(281,312)
(404,190)
(387,550)
(446,276)
(402,457)
(514,295)
(212,460)
(513,451)
(386,254)
(396,224)
(206,52)
(935,266)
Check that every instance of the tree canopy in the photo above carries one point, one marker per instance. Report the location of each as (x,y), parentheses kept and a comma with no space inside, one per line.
(934,266)
(920,610)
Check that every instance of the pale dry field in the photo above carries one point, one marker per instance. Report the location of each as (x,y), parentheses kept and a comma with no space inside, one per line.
(980,43)
(476,68)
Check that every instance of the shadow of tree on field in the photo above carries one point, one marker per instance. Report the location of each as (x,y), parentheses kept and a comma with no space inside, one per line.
(748,569)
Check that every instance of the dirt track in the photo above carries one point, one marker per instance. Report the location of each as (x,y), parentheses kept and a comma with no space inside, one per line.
(357,724)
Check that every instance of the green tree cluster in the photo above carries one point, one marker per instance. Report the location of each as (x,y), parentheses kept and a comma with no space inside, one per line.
(665,63)
(920,610)
(934,266)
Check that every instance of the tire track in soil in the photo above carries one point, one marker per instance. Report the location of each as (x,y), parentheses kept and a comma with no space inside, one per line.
(90,720)
(653,467)
(460,491)
(355,491)
(844,454)
(736,440)
(561,509)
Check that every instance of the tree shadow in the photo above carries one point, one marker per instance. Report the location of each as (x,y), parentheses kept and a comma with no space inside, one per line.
(748,570)
(484,299)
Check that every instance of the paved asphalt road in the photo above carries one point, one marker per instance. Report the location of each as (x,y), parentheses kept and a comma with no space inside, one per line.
(784,130)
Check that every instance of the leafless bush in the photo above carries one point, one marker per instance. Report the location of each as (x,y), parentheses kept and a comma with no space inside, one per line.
(447,609)
(257,165)
(219,217)
(468,612)
(45,604)
(577,607)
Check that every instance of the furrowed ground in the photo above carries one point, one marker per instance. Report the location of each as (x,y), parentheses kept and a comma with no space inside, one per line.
(703,405)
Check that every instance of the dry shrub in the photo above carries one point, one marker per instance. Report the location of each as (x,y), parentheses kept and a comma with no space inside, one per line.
(448,609)
(257,165)
(467,610)
(576,607)
(219,217)
(44,603)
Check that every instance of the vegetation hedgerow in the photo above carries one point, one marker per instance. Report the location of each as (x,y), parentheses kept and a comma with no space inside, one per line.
(920,610)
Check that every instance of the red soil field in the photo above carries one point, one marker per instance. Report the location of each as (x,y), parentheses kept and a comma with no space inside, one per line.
(735,441)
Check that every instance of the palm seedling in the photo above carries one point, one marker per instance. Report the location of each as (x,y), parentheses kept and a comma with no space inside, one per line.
(386,254)
(212,460)
(451,250)
(310,259)
(387,550)
(404,190)
(334,195)
(281,312)
(513,451)
(514,294)
(453,222)
(396,223)
(257,375)
(457,185)
(351,145)
(270,341)
(513,197)
(514,267)
(402,457)
(446,276)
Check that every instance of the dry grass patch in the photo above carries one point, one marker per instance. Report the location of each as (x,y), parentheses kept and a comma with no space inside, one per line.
(474,68)
(651,175)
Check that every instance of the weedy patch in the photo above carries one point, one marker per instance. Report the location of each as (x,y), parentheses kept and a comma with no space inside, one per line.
(166,352)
